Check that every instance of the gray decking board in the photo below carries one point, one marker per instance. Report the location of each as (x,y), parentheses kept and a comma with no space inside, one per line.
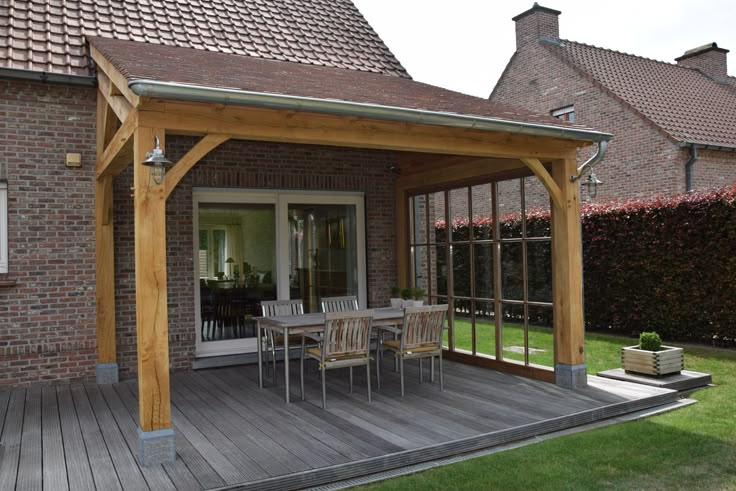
(103,470)
(187,456)
(30,476)
(155,475)
(54,467)
(281,431)
(351,448)
(79,474)
(11,438)
(252,453)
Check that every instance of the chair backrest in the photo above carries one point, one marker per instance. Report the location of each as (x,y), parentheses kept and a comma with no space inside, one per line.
(271,308)
(347,333)
(339,304)
(423,326)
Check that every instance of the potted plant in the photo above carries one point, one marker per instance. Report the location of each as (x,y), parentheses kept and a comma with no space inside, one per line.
(395,297)
(650,357)
(406,296)
(418,296)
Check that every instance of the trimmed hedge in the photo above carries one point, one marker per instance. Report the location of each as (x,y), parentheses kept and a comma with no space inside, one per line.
(667,264)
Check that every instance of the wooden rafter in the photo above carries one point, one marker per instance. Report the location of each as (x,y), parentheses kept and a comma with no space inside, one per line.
(118,103)
(552,188)
(119,153)
(117,79)
(194,155)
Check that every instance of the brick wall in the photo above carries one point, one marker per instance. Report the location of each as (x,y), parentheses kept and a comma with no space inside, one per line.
(640,161)
(251,165)
(47,321)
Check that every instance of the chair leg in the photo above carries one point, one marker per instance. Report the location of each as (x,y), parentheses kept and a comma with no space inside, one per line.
(401,374)
(431,369)
(324,389)
(378,373)
(368,376)
(351,380)
(441,386)
(301,370)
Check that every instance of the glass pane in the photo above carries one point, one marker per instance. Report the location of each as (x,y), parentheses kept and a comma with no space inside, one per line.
(536,208)
(419,219)
(440,269)
(512,332)
(482,212)
(541,337)
(512,271)
(437,221)
(420,264)
(485,329)
(463,327)
(539,271)
(483,270)
(323,253)
(459,214)
(509,208)
(461,270)
(236,267)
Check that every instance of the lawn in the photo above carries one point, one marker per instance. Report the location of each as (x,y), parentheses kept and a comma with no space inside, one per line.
(690,448)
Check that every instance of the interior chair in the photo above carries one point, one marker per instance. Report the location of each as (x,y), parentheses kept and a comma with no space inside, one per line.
(420,337)
(339,304)
(345,342)
(271,308)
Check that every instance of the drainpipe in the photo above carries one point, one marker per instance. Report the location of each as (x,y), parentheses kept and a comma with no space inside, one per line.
(689,168)
(602,147)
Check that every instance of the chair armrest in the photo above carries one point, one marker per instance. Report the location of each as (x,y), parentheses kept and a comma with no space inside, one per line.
(314,336)
(391,329)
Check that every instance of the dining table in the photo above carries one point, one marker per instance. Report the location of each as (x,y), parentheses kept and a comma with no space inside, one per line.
(287,325)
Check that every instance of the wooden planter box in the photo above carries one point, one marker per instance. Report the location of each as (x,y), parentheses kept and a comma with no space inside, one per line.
(664,362)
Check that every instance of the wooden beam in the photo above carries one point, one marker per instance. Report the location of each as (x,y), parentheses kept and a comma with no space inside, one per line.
(117,102)
(472,170)
(152,327)
(194,155)
(119,152)
(401,224)
(311,128)
(567,270)
(104,247)
(117,79)
(552,188)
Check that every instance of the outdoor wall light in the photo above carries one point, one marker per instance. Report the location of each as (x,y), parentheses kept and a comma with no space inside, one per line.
(592,184)
(157,161)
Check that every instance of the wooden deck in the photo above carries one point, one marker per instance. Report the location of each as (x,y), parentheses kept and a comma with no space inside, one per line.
(231,434)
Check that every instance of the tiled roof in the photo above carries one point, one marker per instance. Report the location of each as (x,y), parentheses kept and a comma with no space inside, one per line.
(683,102)
(49,35)
(141,61)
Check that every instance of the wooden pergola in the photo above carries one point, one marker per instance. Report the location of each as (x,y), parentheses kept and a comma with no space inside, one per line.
(128,123)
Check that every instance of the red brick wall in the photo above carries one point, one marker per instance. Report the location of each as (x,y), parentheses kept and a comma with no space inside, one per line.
(47,321)
(47,329)
(640,161)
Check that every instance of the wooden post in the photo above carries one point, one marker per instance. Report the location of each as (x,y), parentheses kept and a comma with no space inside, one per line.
(567,279)
(107,367)
(156,438)
(401,215)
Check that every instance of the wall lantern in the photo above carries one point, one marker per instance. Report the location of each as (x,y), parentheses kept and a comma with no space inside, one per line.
(156,159)
(592,184)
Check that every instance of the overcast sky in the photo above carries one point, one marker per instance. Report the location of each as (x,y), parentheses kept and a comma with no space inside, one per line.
(464,45)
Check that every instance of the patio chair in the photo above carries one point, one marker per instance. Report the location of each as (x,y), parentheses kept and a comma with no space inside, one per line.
(270,308)
(344,343)
(339,304)
(420,337)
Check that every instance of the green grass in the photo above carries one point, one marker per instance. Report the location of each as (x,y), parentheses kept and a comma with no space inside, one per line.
(691,448)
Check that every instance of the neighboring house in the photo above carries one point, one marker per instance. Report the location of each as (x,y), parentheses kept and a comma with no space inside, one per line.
(302,154)
(674,125)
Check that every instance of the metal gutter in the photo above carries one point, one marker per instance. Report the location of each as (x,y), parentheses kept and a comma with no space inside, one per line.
(168,90)
(689,168)
(47,77)
(588,164)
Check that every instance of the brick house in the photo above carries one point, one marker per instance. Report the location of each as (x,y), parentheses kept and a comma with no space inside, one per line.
(302,150)
(674,125)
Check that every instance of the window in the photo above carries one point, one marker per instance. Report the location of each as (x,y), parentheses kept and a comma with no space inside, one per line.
(565,113)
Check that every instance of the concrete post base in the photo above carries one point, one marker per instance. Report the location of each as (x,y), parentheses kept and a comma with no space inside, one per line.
(156,447)
(571,376)
(107,373)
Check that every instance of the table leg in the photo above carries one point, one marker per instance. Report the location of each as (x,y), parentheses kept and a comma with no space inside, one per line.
(286,363)
(260,354)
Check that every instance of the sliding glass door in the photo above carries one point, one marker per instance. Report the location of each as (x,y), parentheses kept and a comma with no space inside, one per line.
(255,246)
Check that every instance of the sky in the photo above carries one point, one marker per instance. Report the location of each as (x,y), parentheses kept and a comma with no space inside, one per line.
(464,45)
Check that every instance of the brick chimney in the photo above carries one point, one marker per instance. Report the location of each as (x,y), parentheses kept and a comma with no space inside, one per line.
(709,58)
(537,22)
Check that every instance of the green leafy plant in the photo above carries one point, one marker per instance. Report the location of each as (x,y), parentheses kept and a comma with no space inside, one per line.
(395,292)
(418,293)
(407,293)
(650,341)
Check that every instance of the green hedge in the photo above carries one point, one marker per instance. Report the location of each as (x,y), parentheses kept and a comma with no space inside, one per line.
(667,264)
